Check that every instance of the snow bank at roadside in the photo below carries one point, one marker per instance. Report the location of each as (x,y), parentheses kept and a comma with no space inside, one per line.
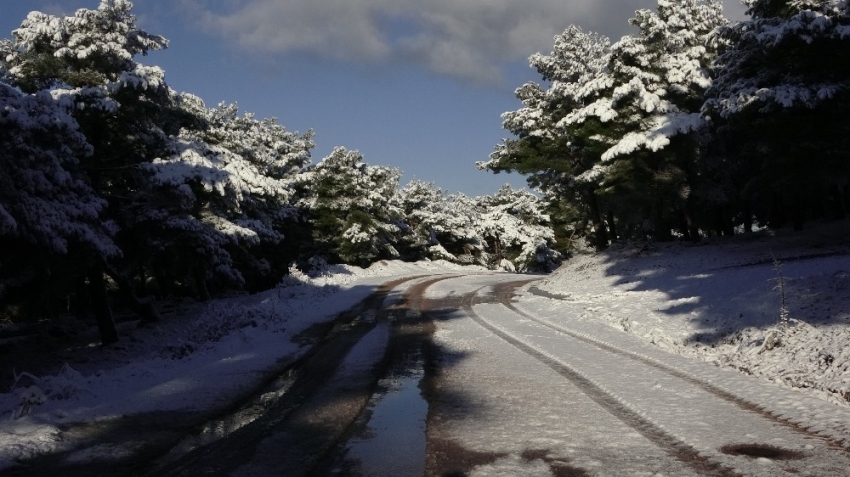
(720,301)
(195,362)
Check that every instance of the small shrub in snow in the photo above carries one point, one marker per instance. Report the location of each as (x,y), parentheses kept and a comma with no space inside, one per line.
(507,266)
(783,302)
(66,384)
(771,340)
(320,268)
(294,277)
(31,397)
(438,252)
(220,321)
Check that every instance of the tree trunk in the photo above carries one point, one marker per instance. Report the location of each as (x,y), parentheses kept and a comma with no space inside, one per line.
(82,301)
(836,201)
(692,230)
(845,197)
(747,212)
(778,214)
(797,215)
(723,225)
(662,231)
(100,306)
(163,283)
(199,275)
(683,225)
(140,306)
(601,235)
(612,225)
(143,281)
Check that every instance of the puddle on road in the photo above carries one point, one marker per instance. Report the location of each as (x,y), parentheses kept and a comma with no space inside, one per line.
(217,429)
(389,437)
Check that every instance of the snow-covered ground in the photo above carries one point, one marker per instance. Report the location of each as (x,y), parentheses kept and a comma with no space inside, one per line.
(721,301)
(200,360)
(529,388)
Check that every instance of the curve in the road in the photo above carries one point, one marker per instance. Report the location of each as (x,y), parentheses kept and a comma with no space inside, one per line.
(313,371)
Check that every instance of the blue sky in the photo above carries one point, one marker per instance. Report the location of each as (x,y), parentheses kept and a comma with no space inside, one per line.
(415,84)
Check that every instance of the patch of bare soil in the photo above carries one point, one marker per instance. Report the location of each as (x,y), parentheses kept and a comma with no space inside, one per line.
(447,458)
(295,432)
(764,451)
(559,466)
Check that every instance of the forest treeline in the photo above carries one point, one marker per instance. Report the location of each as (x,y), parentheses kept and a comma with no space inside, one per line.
(115,189)
(692,126)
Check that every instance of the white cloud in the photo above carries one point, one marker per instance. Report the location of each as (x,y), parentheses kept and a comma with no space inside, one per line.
(470,39)
(52,8)
(333,28)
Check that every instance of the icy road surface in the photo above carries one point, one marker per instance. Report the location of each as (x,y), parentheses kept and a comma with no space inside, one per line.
(522,390)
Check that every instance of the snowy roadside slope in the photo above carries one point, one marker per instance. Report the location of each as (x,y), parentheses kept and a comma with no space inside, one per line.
(720,301)
(194,363)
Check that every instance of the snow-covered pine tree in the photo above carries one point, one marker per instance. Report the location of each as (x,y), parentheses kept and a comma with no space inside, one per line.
(350,210)
(441,226)
(42,200)
(561,157)
(423,208)
(124,109)
(460,235)
(505,230)
(517,231)
(650,114)
(232,180)
(50,219)
(780,100)
(613,135)
(192,194)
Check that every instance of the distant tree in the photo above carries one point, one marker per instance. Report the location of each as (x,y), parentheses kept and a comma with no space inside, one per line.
(459,236)
(441,226)
(516,229)
(780,103)
(507,229)
(231,186)
(423,207)
(350,211)
(561,157)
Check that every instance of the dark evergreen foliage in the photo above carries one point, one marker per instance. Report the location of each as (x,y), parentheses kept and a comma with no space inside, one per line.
(116,191)
(692,126)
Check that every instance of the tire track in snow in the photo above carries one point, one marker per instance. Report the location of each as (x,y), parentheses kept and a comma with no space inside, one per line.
(293,417)
(505,292)
(667,442)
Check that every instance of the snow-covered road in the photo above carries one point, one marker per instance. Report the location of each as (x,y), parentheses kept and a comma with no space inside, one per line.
(509,380)
(526,391)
